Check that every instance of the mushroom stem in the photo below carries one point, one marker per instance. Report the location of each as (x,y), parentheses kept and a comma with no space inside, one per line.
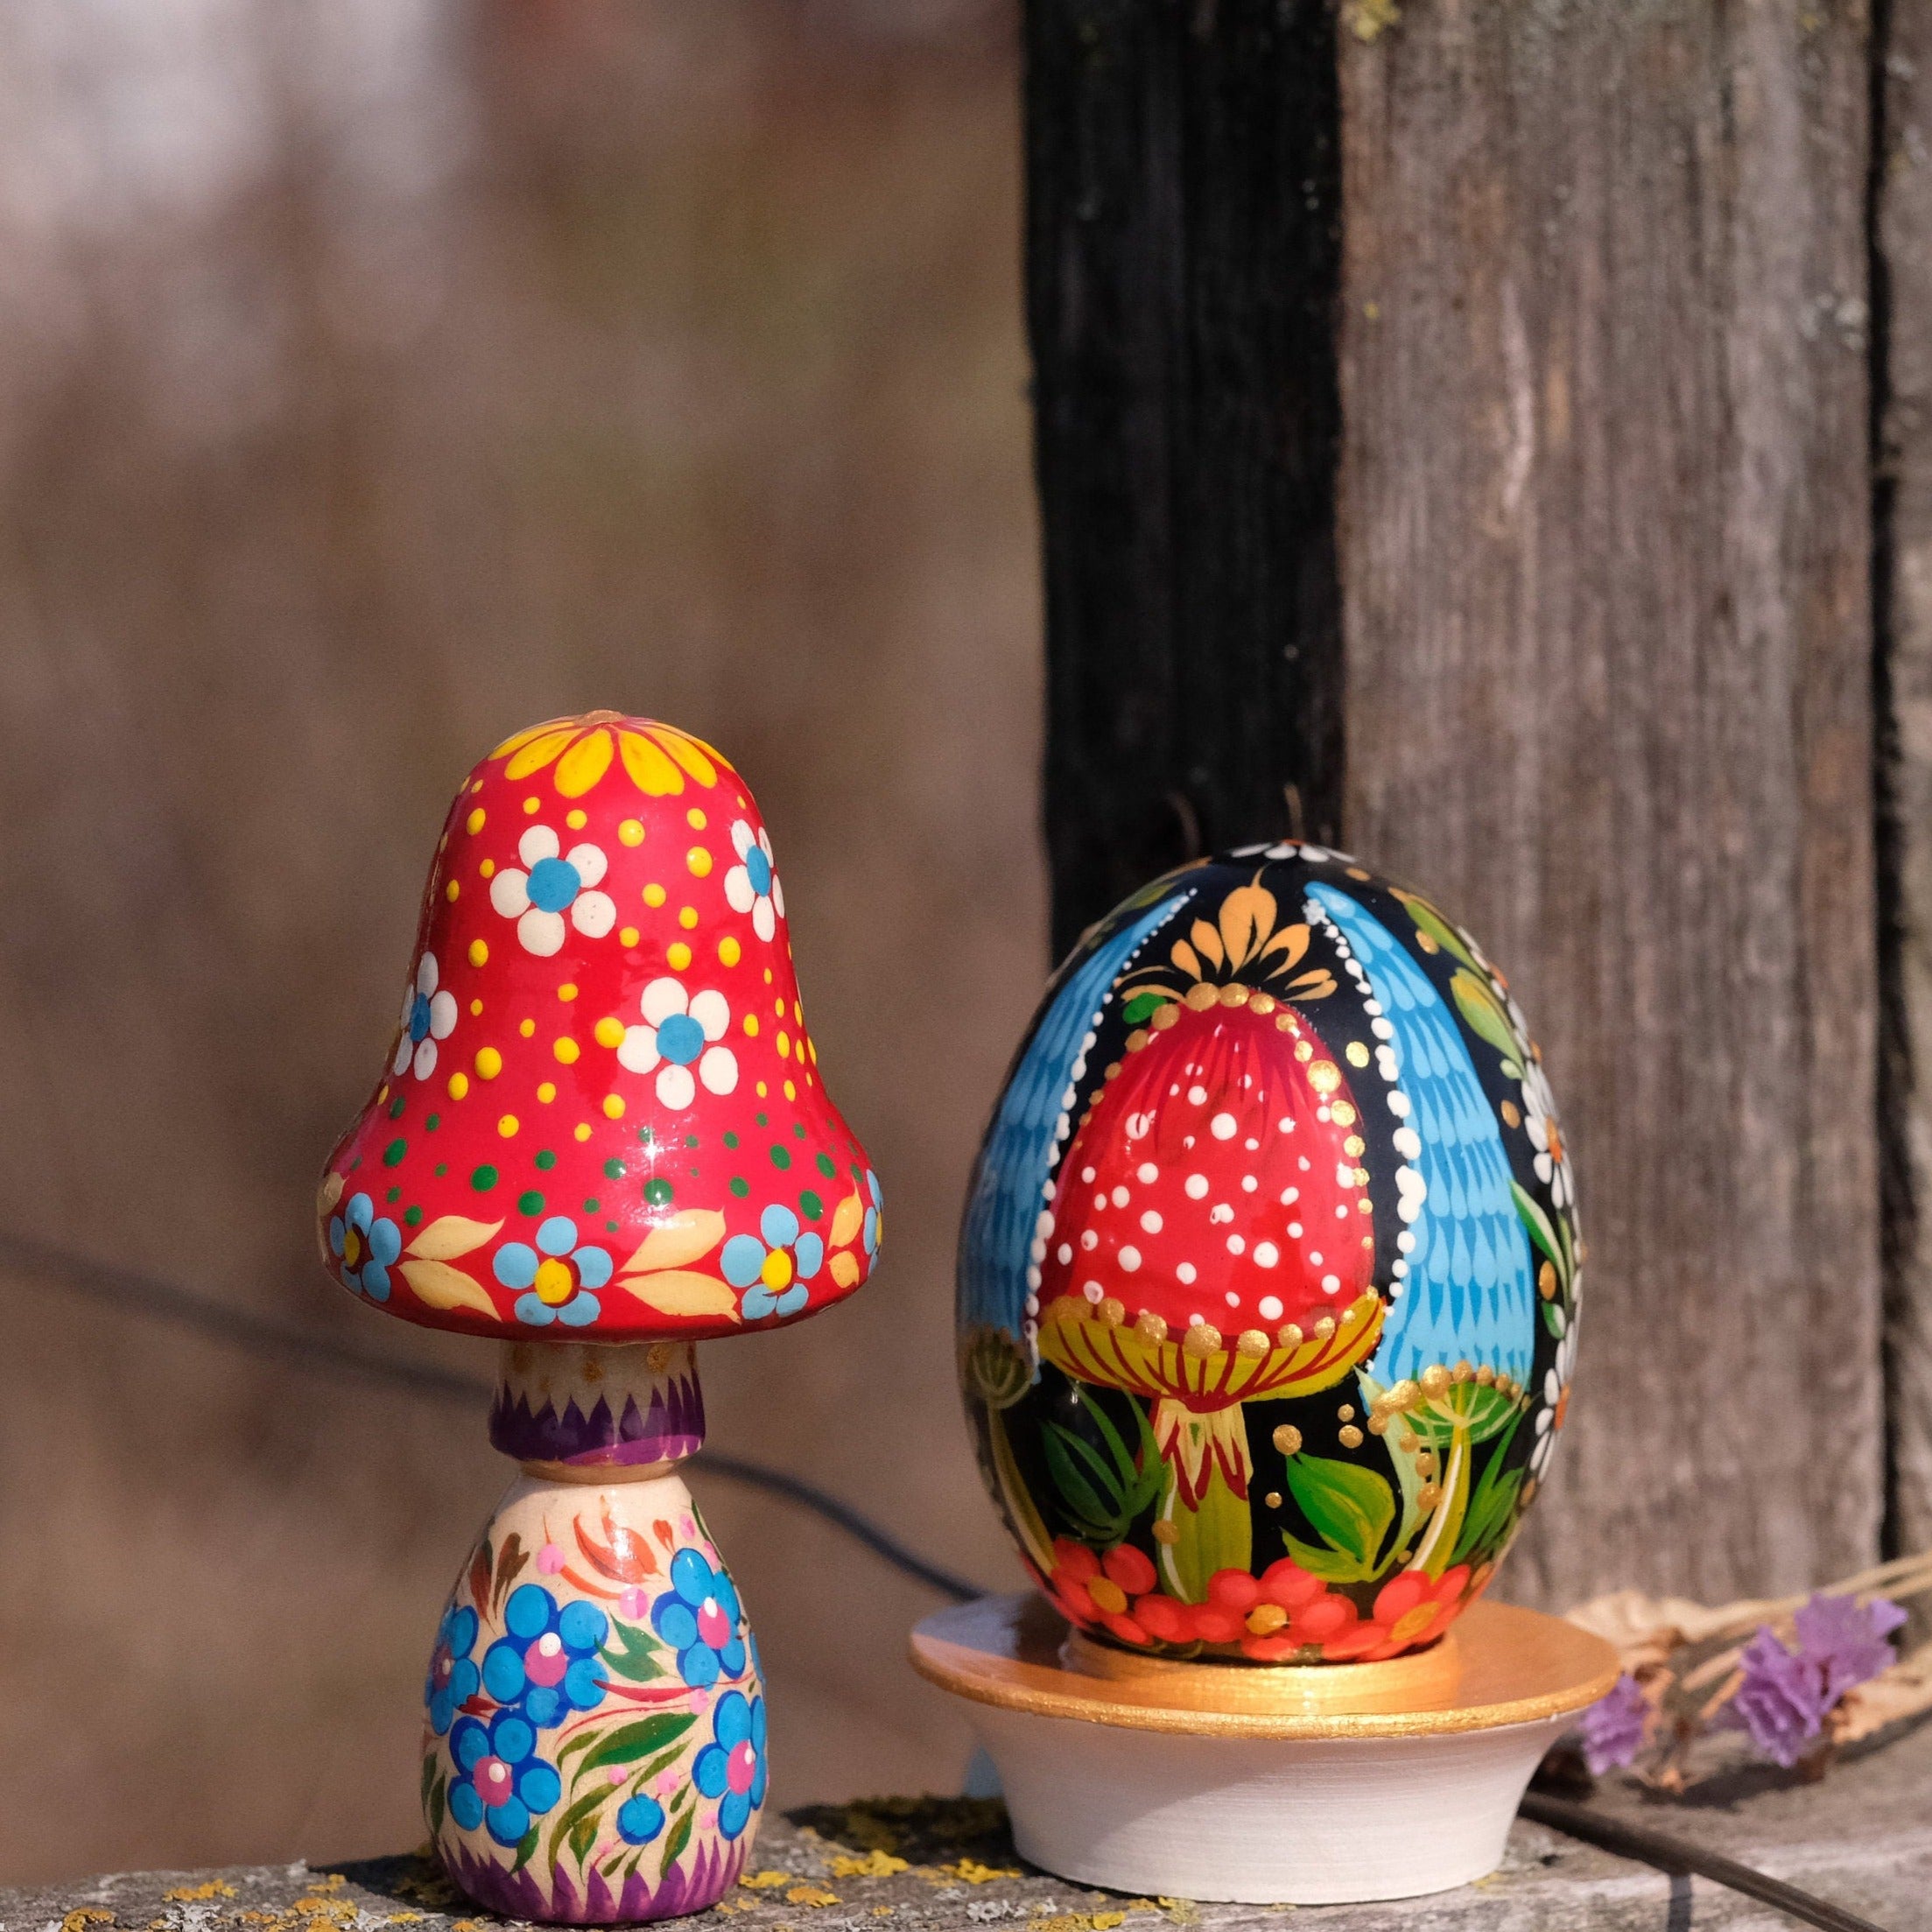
(1196,1538)
(594,1597)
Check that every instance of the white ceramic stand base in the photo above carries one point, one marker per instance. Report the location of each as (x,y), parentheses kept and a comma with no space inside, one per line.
(1291,1785)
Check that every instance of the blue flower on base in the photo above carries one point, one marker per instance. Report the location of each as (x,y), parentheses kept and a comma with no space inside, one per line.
(773,1272)
(732,1767)
(501,1781)
(698,1617)
(367,1245)
(640,1819)
(547,1665)
(557,1273)
(452,1678)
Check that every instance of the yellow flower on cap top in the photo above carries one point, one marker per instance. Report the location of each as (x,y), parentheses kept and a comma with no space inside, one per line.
(658,758)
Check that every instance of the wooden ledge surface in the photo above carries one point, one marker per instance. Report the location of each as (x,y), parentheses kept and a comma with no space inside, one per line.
(1862,1838)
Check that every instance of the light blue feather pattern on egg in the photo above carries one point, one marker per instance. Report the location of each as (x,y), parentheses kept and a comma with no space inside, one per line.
(1018,1155)
(1470,1291)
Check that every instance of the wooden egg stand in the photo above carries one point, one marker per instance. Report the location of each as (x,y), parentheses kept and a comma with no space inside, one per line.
(1299,1784)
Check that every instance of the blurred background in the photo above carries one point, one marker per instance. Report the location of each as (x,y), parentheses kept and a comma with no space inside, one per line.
(378,377)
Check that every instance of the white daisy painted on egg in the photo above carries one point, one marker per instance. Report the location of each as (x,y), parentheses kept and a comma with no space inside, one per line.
(428,1016)
(752,884)
(679,1038)
(557,883)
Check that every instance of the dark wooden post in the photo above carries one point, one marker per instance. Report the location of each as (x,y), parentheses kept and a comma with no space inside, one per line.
(1183,259)
(1600,324)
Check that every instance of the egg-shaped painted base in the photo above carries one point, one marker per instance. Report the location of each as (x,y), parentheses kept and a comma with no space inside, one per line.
(1270,1278)
(594,1747)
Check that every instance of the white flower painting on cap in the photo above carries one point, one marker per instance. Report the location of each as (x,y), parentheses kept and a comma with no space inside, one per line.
(678,1038)
(557,883)
(428,1016)
(752,884)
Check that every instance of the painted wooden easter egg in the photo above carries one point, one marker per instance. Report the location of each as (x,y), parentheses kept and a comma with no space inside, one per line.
(1269,1281)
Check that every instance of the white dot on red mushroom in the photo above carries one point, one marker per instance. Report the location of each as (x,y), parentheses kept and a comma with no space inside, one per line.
(1294,1231)
(1321,1114)
(1150,1222)
(1183,1273)
(1284,1125)
(1252,1146)
(1265,1255)
(1329,1283)
(1187,1142)
(1091,1290)
(1196,1187)
(1222,1126)
(1196,1319)
(1219,1213)
(1248,1183)
(1121,1196)
(1146,1174)
(1341,1211)
(1236,1245)
(1314,1258)
(1303,1163)
(1130,1259)
(1089,1241)
(1231,1299)
(1099,1199)
(1269,1307)
(1289,1195)
(1086,1174)
(1064,1253)
(1197,1095)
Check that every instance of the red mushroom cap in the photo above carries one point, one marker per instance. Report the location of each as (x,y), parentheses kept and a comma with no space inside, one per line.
(1216,1187)
(602,1117)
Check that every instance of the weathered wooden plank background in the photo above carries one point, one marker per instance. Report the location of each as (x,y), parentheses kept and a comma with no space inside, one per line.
(1604,652)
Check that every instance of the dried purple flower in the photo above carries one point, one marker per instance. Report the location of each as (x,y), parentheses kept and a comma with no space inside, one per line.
(1786,1694)
(1616,1726)
(1846,1640)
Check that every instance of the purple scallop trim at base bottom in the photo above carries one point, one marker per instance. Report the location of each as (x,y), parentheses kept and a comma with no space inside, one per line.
(699,1879)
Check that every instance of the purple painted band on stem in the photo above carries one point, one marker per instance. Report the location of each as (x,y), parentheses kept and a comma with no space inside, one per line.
(700,1878)
(670,1429)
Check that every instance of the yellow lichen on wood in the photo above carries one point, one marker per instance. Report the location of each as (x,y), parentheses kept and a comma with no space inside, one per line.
(876,1864)
(970,1871)
(185,1895)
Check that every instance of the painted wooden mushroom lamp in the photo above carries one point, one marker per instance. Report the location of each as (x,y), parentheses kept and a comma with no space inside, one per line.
(600,1138)
(1268,1296)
